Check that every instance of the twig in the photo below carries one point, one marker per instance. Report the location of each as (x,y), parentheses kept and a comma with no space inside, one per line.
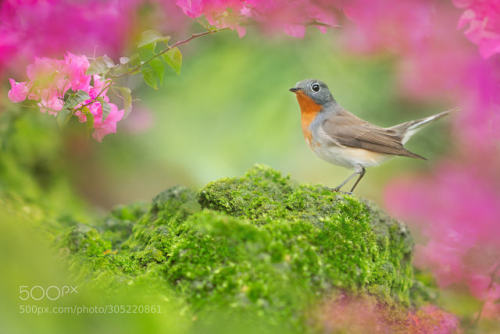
(111,78)
(316,23)
(97,96)
(168,48)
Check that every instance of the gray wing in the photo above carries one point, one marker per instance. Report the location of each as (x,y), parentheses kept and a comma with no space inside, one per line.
(348,130)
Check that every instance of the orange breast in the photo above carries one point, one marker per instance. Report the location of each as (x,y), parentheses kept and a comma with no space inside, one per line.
(308,110)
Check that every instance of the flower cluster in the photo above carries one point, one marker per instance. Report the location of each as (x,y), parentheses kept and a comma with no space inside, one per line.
(51,81)
(290,16)
(482,19)
(51,27)
(387,25)
(364,314)
(457,210)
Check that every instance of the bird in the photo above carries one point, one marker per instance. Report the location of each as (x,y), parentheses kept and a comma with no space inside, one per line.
(341,138)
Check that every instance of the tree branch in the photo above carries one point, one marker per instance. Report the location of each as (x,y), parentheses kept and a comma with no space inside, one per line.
(168,48)
(111,78)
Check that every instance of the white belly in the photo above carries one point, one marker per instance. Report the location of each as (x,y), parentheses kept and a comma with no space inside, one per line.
(348,157)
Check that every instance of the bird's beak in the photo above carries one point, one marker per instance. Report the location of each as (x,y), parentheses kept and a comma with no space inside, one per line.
(294,89)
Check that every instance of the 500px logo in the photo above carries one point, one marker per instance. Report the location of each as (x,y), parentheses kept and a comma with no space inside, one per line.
(52,292)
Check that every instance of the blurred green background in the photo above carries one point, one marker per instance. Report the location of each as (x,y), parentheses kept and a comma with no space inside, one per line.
(231,108)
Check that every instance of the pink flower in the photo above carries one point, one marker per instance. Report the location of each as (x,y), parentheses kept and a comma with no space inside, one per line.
(456,209)
(479,121)
(431,319)
(48,77)
(50,80)
(103,128)
(18,91)
(97,88)
(76,66)
(289,16)
(364,314)
(387,25)
(44,28)
(483,20)
(51,101)
(192,8)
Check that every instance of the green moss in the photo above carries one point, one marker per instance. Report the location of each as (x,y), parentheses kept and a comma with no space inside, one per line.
(360,247)
(260,244)
(87,241)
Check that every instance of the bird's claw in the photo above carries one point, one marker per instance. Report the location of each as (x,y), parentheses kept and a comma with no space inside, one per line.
(337,190)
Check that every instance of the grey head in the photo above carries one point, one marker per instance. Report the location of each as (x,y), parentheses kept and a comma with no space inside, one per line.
(315,89)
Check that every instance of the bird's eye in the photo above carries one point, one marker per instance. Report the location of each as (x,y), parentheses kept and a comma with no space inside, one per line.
(315,87)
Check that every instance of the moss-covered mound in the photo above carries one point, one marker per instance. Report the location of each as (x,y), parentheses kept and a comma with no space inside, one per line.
(261,244)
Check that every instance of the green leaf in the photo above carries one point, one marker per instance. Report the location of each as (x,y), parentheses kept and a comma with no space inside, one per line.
(147,45)
(159,70)
(134,63)
(152,37)
(153,73)
(173,58)
(63,117)
(126,95)
(74,99)
(146,52)
(100,65)
(149,76)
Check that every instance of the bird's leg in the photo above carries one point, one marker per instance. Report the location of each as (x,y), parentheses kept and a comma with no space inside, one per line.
(361,172)
(337,188)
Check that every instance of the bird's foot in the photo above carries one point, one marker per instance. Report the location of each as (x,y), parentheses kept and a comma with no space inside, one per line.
(337,190)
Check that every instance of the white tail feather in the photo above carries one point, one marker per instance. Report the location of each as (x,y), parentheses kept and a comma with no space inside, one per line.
(408,129)
(414,128)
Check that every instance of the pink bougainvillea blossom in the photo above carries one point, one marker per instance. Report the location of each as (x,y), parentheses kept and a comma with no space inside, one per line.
(50,28)
(18,91)
(479,121)
(431,319)
(49,81)
(76,66)
(51,101)
(107,126)
(482,21)
(457,209)
(389,25)
(364,314)
(292,17)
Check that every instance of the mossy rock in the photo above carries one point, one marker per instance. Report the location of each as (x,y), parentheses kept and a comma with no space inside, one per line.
(262,244)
